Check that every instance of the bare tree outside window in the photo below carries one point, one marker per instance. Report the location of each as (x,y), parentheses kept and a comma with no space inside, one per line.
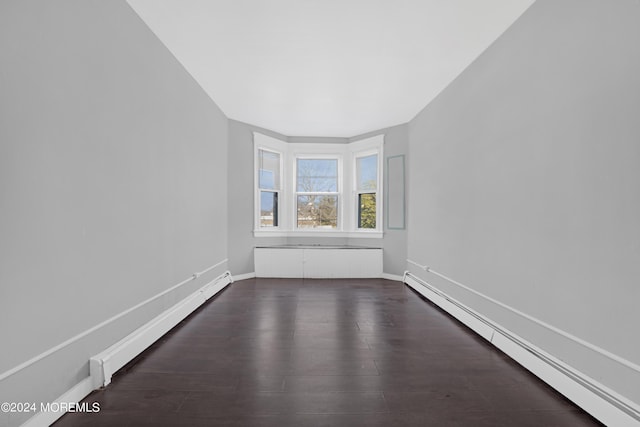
(317,193)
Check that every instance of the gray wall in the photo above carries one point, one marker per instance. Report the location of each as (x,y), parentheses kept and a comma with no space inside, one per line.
(241,199)
(113,182)
(525,182)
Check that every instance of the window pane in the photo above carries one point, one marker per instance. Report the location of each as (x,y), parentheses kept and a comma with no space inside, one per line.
(268,209)
(367,210)
(269,168)
(317,175)
(367,172)
(317,211)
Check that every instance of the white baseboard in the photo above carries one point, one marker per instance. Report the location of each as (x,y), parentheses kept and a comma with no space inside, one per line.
(102,366)
(602,403)
(74,395)
(393,277)
(244,276)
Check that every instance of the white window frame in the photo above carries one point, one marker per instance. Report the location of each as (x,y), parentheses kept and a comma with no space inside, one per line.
(346,154)
(377,192)
(271,145)
(364,148)
(315,151)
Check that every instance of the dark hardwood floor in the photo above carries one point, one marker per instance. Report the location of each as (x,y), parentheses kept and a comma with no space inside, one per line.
(293,352)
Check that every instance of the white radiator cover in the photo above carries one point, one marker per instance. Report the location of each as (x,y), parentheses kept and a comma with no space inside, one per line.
(318,262)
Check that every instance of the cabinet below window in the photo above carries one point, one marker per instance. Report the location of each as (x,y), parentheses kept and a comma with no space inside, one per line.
(318,261)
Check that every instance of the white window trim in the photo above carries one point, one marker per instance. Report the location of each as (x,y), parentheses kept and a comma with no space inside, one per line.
(347,198)
(275,146)
(360,149)
(330,155)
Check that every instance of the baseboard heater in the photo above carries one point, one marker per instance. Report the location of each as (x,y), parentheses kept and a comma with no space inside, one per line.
(601,402)
(102,366)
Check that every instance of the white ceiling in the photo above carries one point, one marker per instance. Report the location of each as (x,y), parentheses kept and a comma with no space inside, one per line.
(326,67)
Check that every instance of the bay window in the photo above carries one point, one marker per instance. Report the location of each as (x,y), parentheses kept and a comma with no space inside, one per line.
(305,189)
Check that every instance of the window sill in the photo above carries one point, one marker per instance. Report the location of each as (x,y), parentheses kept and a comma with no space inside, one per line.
(320,233)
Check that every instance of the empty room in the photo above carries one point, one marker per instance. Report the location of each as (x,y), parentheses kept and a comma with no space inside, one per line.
(319,213)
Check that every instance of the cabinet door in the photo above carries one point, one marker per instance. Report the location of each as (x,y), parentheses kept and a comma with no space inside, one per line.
(342,263)
(325,263)
(270,262)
